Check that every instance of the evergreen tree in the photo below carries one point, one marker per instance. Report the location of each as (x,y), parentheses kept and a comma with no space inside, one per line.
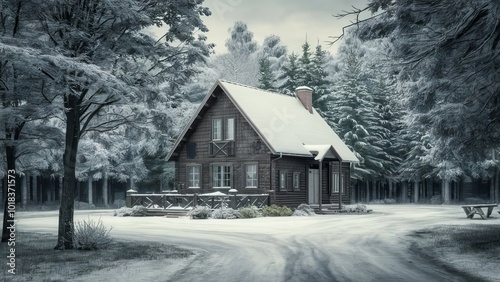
(266,79)
(319,82)
(353,112)
(290,75)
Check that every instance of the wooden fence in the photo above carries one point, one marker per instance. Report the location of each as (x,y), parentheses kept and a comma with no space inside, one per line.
(188,201)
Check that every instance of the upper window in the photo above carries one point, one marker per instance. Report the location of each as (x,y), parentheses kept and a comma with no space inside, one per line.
(251,176)
(194,176)
(230,129)
(217,129)
(222,176)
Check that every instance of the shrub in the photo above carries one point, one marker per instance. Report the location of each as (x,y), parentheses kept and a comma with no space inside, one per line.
(249,212)
(135,211)
(226,213)
(200,212)
(274,210)
(383,201)
(91,235)
(354,208)
(303,210)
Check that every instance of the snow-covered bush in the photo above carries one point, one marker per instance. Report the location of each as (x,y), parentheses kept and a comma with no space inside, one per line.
(303,210)
(249,212)
(225,213)
(90,235)
(200,212)
(135,211)
(359,208)
(274,210)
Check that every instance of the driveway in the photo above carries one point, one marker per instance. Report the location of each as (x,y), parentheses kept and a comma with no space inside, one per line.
(344,247)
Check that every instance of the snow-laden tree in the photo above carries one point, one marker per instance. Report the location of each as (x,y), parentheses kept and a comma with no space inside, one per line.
(25,92)
(103,64)
(448,53)
(272,55)
(240,64)
(290,78)
(353,111)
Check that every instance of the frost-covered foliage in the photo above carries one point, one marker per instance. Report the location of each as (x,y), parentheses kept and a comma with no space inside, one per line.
(90,234)
(249,212)
(134,211)
(200,212)
(225,213)
(240,64)
(357,208)
(448,54)
(303,210)
(275,210)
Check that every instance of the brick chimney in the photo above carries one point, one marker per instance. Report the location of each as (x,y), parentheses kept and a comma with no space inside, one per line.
(304,94)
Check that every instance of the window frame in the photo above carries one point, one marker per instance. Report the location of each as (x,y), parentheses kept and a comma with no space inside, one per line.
(228,127)
(189,178)
(219,131)
(296,181)
(335,183)
(222,174)
(283,180)
(255,177)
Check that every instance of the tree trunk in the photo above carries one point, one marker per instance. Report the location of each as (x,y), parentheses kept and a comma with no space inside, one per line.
(24,191)
(67,209)
(391,190)
(404,191)
(497,187)
(374,191)
(446,191)
(367,184)
(416,192)
(105,188)
(8,218)
(34,188)
(492,189)
(89,189)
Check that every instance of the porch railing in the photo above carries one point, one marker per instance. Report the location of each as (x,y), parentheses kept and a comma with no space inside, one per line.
(188,201)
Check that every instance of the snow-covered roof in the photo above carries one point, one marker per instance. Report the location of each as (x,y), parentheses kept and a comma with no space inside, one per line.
(284,124)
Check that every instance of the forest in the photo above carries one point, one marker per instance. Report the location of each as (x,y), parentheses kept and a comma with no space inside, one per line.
(90,97)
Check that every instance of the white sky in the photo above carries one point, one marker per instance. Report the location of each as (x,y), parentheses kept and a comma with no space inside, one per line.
(291,20)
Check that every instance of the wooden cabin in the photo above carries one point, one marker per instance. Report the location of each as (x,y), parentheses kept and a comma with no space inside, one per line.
(257,141)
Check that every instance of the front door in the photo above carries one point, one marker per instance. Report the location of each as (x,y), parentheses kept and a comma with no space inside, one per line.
(313,186)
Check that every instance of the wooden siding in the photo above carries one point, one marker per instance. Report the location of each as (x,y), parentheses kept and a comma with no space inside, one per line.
(248,149)
(293,198)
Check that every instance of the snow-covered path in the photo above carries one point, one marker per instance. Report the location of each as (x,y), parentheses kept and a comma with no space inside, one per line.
(368,247)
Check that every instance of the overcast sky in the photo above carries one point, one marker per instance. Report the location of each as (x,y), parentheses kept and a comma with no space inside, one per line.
(291,20)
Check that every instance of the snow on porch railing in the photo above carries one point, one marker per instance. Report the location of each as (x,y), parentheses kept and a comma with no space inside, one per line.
(188,201)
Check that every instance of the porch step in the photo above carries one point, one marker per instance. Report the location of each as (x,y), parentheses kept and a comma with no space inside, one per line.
(166,212)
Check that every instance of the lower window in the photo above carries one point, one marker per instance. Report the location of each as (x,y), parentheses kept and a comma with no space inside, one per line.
(222,176)
(193,176)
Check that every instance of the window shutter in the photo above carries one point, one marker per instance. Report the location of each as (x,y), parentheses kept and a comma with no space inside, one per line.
(191,150)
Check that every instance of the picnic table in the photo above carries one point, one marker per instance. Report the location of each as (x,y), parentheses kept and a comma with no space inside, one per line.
(471,210)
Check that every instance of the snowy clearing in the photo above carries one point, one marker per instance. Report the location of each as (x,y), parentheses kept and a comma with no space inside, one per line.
(343,247)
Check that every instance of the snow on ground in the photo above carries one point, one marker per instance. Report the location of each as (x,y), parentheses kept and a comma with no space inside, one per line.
(343,247)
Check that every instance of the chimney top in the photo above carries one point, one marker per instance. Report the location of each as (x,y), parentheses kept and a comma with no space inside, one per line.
(304,94)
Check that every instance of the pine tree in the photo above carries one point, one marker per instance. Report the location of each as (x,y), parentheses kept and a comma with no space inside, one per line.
(290,76)
(266,79)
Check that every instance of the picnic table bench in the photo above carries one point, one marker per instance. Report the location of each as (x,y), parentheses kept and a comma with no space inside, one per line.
(471,210)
